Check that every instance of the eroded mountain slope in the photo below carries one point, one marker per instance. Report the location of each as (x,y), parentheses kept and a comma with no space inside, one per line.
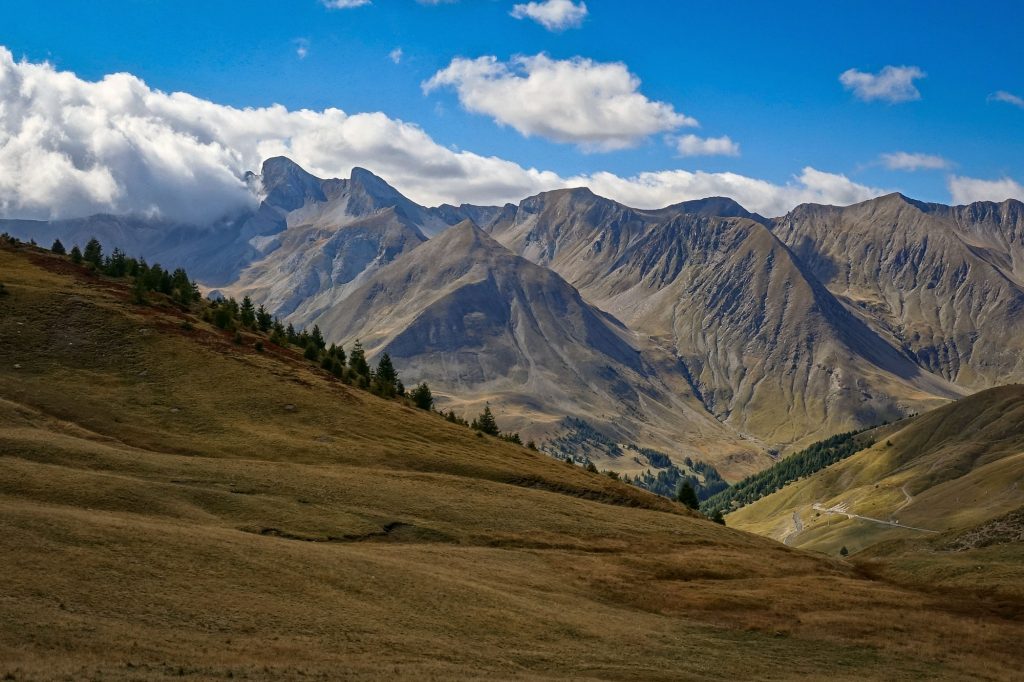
(946,283)
(483,324)
(767,347)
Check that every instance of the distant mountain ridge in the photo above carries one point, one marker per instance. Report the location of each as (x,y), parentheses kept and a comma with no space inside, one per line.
(722,334)
(945,283)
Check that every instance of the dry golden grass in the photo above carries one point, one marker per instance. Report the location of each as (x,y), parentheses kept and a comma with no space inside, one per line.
(172,504)
(947,470)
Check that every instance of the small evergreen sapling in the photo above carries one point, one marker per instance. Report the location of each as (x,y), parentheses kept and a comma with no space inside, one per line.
(486,423)
(422,397)
(357,361)
(687,495)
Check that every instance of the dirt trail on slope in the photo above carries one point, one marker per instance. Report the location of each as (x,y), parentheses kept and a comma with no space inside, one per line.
(841,510)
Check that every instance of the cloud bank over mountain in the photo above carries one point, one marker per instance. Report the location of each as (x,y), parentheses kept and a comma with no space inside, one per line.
(71,147)
(579,101)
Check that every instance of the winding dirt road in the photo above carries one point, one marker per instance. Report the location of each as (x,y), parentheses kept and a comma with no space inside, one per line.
(841,508)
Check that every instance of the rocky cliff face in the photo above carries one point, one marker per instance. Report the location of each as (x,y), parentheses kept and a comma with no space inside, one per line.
(943,283)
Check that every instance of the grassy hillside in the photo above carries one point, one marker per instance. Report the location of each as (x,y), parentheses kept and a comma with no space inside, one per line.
(174,504)
(948,470)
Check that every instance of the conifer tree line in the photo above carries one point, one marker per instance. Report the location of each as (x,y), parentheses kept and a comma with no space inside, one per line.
(145,278)
(232,316)
(792,468)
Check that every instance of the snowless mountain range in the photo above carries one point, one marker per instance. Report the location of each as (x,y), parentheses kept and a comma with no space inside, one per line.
(699,329)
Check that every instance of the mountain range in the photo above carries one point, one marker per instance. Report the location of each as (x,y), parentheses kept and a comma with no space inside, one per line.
(701,330)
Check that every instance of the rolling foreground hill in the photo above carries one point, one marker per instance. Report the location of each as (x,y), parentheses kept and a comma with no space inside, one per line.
(944,473)
(177,505)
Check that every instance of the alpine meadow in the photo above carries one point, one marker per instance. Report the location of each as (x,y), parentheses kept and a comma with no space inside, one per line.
(452,340)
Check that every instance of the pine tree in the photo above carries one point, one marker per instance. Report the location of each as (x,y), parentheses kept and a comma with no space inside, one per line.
(844,551)
(717,517)
(247,312)
(357,360)
(117,264)
(687,495)
(317,338)
(58,248)
(485,423)
(422,397)
(76,254)
(179,279)
(263,319)
(222,316)
(385,377)
(93,253)
(290,334)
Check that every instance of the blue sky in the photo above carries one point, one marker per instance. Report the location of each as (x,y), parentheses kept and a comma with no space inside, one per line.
(765,75)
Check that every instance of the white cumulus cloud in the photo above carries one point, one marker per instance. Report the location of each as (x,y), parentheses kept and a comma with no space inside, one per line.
(657,189)
(344,4)
(554,15)
(892,84)
(907,161)
(595,105)
(71,148)
(692,145)
(1007,97)
(966,190)
(396,55)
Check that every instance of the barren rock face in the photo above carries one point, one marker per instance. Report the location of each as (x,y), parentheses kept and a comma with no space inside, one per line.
(945,283)
(767,347)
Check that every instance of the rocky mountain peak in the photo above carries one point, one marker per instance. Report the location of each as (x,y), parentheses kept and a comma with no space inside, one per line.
(287,186)
(374,186)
